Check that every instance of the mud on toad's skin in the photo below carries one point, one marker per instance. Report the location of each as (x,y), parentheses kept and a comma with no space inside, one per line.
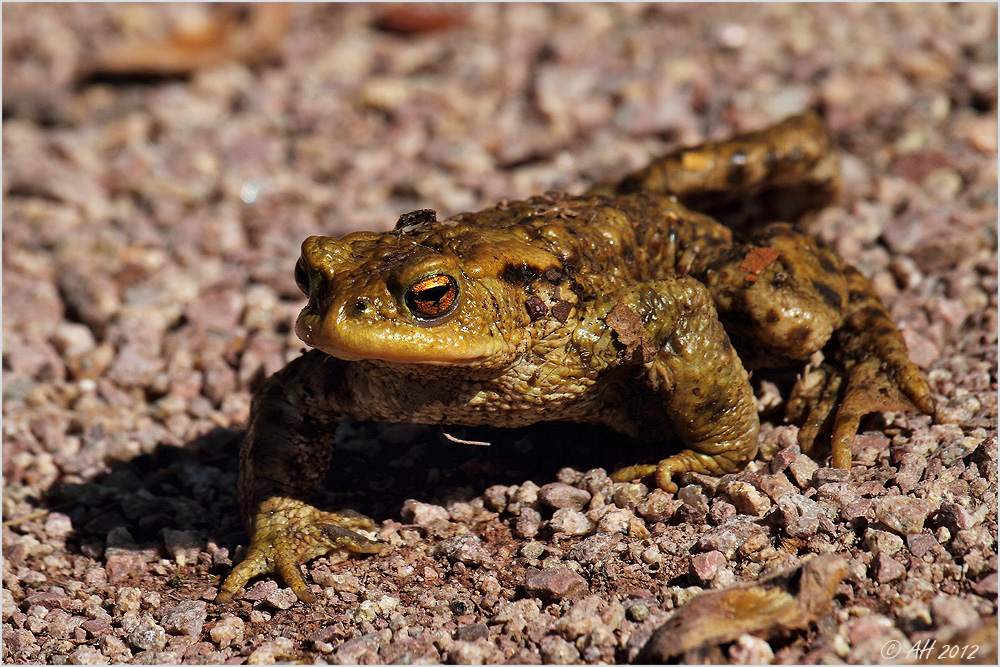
(623,306)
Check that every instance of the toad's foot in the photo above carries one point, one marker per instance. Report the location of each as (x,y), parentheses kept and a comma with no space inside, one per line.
(685,461)
(867,370)
(287,533)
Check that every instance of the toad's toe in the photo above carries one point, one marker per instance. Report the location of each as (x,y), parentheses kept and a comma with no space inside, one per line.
(288,533)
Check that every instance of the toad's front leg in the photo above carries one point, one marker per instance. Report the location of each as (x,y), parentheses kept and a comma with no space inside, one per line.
(284,455)
(671,329)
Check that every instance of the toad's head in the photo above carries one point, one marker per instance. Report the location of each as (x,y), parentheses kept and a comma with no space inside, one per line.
(428,299)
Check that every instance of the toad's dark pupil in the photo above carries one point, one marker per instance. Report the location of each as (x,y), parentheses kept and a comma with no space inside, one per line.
(432,296)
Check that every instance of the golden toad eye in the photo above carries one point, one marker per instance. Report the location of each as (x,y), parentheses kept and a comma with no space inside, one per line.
(302,276)
(432,297)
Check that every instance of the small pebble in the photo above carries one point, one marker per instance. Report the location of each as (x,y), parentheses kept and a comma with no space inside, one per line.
(920,544)
(705,566)
(615,521)
(147,635)
(87,655)
(529,521)
(657,507)
(470,652)
(954,517)
(629,494)
(227,631)
(751,650)
(554,584)
(881,541)
(637,612)
(802,469)
(902,514)
(533,550)
(559,496)
(186,618)
(571,522)
(471,633)
(279,649)
(950,610)
(557,651)
(283,598)
(423,514)
(887,569)
(747,499)
(366,611)
(594,549)
(466,549)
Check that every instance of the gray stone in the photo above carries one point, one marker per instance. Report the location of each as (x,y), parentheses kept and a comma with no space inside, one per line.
(186,618)
(563,496)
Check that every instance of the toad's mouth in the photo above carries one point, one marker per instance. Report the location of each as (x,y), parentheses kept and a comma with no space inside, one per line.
(414,345)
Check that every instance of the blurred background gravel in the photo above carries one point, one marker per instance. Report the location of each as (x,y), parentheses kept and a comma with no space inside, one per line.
(151,220)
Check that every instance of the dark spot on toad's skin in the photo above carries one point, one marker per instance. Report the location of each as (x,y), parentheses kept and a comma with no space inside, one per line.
(871,312)
(827,264)
(779,280)
(772,317)
(560,310)
(854,296)
(828,294)
(770,162)
(715,408)
(554,275)
(520,274)
(736,170)
(536,307)
(798,335)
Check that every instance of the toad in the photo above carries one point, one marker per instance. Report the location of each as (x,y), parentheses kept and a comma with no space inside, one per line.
(624,306)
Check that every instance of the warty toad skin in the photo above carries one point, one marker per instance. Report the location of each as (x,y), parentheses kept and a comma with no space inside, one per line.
(623,306)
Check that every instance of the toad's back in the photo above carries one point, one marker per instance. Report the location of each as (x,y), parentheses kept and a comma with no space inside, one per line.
(602,242)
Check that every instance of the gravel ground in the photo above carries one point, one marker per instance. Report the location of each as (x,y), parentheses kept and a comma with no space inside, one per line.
(150,227)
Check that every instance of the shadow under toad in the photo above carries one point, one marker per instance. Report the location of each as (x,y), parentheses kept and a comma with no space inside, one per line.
(180,502)
(183,500)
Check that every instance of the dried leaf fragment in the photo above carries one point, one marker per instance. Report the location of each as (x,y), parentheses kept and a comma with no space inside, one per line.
(783,602)
(221,38)
(757,259)
(628,329)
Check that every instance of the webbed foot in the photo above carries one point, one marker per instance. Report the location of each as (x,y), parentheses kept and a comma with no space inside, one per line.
(867,369)
(287,533)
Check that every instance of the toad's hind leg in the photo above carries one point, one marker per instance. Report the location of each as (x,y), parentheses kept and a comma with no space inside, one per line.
(793,155)
(669,332)
(284,455)
(784,297)
(780,297)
